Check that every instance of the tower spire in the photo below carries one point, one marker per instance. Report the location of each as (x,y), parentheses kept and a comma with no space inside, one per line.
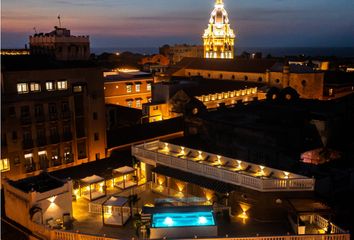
(219,38)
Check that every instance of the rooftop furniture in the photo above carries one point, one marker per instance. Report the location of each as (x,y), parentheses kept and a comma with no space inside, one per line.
(115,211)
(92,187)
(124,177)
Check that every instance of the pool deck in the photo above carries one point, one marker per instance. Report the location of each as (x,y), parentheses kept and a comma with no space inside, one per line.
(257,223)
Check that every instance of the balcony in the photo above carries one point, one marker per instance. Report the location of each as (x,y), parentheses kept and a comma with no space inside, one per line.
(53,116)
(27,144)
(67,136)
(40,118)
(26,120)
(54,139)
(30,167)
(66,115)
(42,141)
(233,171)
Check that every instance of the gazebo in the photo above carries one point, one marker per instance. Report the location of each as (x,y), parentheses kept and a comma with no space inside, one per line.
(92,187)
(124,177)
(115,211)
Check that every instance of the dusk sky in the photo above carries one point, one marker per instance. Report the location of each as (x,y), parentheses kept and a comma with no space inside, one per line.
(151,23)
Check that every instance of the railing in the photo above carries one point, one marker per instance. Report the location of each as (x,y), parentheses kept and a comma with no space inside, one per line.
(222,174)
(287,237)
(63,235)
(323,223)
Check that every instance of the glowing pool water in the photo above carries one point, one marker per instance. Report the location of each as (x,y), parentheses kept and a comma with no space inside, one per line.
(182,219)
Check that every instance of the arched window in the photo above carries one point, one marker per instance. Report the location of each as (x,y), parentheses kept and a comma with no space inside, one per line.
(303,83)
(277,81)
(233,77)
(208,75)
(246,78)
(260,79)
(189,73)
(221,76)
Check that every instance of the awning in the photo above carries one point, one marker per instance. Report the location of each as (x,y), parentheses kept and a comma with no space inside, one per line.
(92,179)
(124,170)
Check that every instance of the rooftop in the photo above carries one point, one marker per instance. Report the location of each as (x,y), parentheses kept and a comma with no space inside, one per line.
(29,62)
(41,183)
(228,65)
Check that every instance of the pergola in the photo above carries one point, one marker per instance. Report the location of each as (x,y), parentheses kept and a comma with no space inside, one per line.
(124,177)
(92,187)
(115,211)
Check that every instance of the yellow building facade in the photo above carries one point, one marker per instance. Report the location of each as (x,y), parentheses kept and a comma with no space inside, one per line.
(219,38)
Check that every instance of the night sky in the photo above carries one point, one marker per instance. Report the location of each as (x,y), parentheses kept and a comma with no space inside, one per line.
(151,23)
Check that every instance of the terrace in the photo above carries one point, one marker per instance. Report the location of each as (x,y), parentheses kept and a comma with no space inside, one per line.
(228,170)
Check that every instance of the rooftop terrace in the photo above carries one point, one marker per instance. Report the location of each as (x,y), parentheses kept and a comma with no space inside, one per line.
(234,171)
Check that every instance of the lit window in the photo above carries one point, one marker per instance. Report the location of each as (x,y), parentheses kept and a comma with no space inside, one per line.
(148,87)
(49,86)
(129,88)
(62,85)
(130,103)
(35,87)
(137,87)
(22,88)
(138,103)
(4,165)
(77,88)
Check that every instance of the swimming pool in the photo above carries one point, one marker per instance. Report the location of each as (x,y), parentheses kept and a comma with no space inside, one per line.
(182,219)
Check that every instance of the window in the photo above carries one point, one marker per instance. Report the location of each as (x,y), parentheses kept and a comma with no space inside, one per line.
(77,89)
(137,87)
(35,87)
(129,88)
(65,107)
(4,165)
(260,79)
(38,110)
(277,81)
(148,87)
(96,136)
(17,160)
(138,103)
(95,116)
(149,99)
(49,86)
(246,78)
(330,91)
(22,88)
(130,103)
(25,111)
(221,76)
(62,85)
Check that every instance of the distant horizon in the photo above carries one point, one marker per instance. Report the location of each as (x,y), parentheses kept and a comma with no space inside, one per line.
(140,23)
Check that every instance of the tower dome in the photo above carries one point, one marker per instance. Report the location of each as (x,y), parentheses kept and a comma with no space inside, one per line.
(219,38)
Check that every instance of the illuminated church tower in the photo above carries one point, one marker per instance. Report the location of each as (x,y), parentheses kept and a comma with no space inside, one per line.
(219,38)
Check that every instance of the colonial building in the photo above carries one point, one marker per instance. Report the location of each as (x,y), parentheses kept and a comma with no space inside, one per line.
(179,51)
(53,115)
(309,83)
(218,37)
(184,97)
(127,88)
(60,44)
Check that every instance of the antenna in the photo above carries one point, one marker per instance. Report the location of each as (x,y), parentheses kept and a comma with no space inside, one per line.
(59,20)
(35,30)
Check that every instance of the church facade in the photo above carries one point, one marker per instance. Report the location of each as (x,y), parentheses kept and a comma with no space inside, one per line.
(218,37)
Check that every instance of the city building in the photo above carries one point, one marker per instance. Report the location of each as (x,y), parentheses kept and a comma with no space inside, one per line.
(53,114)
(218,37)
(184,96)
(129,88)
(5,52)
(60,44)
(309,83)
(39,200)
(177,52)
